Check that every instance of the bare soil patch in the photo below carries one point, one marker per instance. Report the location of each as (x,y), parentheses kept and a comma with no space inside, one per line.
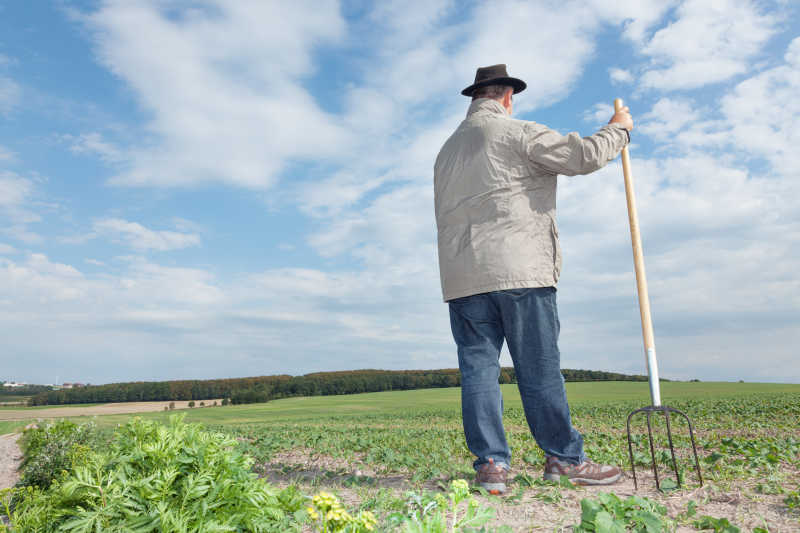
(10,458)
(92,410)
(525,510)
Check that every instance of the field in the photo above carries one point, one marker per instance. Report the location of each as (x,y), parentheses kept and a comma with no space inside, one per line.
(372,449)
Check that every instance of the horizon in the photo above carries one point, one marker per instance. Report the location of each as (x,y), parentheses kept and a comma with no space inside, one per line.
(661,378)
(208,188)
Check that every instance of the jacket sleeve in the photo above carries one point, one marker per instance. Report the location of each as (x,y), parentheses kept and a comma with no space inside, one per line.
(571,154)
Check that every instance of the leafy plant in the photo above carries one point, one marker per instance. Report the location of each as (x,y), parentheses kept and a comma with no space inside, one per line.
(456,512)
(792,500)
(718,525)
(51,450)
(608,513)
(160,478)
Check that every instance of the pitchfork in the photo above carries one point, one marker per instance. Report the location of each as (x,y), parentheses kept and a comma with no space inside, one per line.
(649,342)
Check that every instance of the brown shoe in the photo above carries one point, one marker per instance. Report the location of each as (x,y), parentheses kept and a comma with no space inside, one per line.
(586,473)
(492,477)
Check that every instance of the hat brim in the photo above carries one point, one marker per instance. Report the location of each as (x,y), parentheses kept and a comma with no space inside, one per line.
(516,84)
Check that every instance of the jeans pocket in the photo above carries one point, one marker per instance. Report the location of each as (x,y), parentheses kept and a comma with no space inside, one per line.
(477,307)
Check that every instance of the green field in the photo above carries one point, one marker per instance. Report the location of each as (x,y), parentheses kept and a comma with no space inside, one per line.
(629,394)
(748,437)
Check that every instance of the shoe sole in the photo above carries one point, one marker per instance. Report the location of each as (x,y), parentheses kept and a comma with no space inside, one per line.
(584,481)
(494,488)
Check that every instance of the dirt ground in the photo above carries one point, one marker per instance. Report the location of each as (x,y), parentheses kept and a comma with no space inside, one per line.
(105,409)
(10,457)
(524,510)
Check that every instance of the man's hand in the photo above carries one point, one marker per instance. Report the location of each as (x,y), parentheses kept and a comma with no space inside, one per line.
(623,118)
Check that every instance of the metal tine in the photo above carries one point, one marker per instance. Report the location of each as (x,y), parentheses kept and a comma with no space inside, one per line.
(672,448)
(665,410)
(652,450)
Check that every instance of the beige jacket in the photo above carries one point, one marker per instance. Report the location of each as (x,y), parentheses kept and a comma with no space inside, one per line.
(495,196)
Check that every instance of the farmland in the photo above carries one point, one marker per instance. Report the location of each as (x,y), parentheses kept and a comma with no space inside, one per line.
(371,449)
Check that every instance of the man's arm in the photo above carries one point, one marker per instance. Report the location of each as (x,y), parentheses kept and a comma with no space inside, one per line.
(572,154)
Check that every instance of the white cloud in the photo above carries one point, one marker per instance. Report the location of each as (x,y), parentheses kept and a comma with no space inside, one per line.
(93,143)
(9,94)
(140,238)
(619,75)
(16,199)
(14,189)
(709,42)
(763,112)
(223,85)
(599,114)
(669,118)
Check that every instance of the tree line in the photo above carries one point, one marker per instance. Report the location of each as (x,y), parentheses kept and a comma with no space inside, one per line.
(265,388)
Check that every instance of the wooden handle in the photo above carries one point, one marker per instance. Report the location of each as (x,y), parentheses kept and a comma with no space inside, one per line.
(641,277)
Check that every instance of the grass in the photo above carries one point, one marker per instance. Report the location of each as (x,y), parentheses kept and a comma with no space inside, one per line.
(11,426)
(631,394)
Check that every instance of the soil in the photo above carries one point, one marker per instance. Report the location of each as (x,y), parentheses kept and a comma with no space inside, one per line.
(523,510)
(91,410)
(10,457)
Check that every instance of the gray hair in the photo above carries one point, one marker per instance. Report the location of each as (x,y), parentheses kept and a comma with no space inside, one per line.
(495,92)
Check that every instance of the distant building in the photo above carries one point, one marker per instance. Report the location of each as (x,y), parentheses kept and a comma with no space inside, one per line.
(13,384)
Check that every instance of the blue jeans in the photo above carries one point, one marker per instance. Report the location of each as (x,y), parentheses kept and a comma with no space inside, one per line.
(528,320)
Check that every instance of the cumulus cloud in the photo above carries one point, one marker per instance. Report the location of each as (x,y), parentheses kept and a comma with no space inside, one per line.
(709,42)
(223,85)
(141,238)
(762,113)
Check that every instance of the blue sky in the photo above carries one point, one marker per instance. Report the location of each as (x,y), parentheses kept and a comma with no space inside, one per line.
(218,189)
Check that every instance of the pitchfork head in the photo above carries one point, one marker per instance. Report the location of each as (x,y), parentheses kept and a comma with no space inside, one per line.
(665,411)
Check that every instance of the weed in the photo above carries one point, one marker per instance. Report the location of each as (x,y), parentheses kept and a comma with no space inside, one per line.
(610,513)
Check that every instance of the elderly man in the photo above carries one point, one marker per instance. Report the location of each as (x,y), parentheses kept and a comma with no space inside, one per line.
(499,260)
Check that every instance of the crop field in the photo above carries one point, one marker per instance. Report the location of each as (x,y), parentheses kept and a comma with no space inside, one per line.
(391,453)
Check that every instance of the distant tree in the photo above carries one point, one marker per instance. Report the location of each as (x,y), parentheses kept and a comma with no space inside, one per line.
(202,404)
(171,405)
(215,403)
(191,403)
(224,401)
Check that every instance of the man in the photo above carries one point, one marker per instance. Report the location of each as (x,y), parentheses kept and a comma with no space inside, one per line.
(499,260)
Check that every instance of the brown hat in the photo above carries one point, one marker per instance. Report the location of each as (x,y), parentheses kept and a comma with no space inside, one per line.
(494,75)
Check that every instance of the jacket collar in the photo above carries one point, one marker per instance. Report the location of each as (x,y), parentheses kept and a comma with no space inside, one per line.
(486,105)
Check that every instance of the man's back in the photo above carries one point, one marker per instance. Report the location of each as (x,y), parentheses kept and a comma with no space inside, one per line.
(495,194)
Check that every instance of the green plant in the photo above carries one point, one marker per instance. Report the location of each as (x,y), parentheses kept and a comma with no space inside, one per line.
(191,403)
(458,511)
(608,513)
(718,525)
(52,450)
(792,500)
(330,516)
(161,478)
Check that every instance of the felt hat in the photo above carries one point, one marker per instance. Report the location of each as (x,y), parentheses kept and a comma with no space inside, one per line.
(494,75)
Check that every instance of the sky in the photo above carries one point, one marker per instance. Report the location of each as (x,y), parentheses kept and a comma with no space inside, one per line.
(215,189)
